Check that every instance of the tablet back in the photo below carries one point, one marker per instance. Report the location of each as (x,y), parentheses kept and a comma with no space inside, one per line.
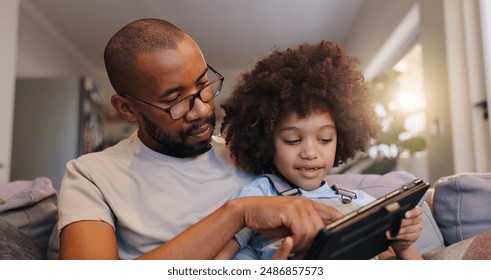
(361,234)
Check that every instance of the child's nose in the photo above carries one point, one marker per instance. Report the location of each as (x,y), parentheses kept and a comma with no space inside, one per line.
(308,152)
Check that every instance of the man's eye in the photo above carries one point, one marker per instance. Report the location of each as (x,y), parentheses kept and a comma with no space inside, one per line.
(172,99)
(203,84)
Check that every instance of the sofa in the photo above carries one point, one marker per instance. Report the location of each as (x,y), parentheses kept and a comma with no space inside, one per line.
(456,219)
(28,214)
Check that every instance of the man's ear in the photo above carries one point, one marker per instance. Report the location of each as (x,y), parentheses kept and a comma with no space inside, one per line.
(121,105)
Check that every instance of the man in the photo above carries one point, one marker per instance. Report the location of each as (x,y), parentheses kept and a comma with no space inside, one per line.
(162,193)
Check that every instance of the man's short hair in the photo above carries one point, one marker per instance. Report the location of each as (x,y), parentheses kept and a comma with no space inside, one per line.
(138,37)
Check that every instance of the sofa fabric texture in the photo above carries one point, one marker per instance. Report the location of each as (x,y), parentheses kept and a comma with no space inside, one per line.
(462,205)
(474,248)
(30,206)
(15,244)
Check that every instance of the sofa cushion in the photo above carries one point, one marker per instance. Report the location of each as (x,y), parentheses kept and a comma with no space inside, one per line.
(378,185)
(474,248)
(31,206)
(16,245)
(462,205)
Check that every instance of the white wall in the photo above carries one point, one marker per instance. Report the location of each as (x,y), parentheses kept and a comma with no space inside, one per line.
(439,130)
(8,48)
(471,143)
(44,52)
(375,22)
(486,22)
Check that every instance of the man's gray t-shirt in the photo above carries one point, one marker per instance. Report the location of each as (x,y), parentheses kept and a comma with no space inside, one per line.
(146,196)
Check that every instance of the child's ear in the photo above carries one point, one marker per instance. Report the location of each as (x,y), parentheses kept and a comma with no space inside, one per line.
(124,108)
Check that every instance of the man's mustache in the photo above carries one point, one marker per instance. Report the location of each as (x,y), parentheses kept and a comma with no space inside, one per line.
(190,129)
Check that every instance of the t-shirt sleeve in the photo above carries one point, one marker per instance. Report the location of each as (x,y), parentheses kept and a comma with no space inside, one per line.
(258,187)
(80,199)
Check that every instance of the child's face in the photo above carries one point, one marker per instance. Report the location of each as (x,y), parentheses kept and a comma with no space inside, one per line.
(305,148)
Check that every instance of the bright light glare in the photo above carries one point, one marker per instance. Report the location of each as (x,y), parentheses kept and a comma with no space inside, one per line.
(380,110)
(415,123)
(409,101)
(392,106)
(383,150)
(402,66)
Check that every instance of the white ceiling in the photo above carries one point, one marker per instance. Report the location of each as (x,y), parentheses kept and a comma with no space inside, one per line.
(231,33)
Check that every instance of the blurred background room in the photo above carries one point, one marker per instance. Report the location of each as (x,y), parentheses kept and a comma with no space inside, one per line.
(427,63)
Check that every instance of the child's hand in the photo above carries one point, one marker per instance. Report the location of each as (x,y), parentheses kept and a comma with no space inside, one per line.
(411,227)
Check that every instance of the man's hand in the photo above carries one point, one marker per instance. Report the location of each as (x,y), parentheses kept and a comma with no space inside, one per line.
(293,216)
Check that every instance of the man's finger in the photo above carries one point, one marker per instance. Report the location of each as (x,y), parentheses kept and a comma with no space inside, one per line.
(327,213)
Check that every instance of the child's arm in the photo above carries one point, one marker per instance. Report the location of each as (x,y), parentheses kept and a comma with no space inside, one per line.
(229,251)
(411,227)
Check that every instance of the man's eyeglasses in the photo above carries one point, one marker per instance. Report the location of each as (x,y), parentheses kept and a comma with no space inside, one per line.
(185,105)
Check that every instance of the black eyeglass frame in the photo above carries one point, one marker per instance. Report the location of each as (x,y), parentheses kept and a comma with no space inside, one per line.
(193,96)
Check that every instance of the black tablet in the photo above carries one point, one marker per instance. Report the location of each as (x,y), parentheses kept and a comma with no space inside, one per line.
(361,234)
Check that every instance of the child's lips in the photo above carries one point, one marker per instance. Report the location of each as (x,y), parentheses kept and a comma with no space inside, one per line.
(307,168)
(310,172)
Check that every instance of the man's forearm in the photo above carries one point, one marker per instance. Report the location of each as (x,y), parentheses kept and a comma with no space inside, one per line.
(209,235)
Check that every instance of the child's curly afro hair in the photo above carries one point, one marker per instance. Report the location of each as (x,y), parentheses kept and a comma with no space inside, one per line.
(313,77)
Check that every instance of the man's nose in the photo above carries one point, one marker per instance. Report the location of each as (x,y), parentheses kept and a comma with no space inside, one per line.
(199,110)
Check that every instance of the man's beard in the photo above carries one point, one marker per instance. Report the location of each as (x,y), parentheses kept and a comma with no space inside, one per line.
(178,147)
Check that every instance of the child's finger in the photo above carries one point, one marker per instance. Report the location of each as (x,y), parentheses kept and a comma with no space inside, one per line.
(285,249)
(416,211)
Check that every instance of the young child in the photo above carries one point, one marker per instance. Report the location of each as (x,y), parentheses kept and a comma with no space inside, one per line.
(297,114)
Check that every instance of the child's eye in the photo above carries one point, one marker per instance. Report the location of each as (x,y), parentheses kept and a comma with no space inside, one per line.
(325,140)
(292,142)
